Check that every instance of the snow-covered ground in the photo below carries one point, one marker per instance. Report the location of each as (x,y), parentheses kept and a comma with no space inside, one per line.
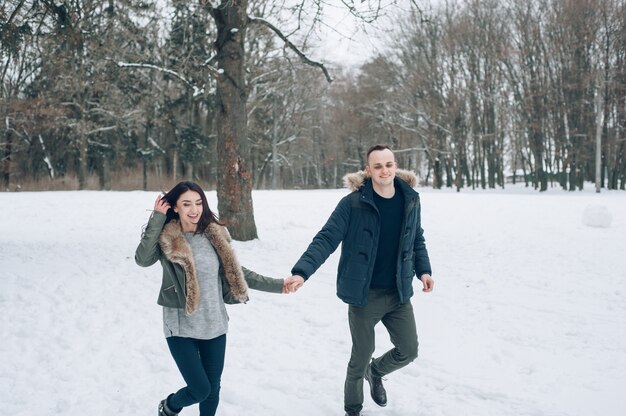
(528,316)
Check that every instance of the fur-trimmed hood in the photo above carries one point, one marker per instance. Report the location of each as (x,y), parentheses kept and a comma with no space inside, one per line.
(177,250)
(355,181)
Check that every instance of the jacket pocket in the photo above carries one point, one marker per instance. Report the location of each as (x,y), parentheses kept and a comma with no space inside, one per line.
(351,290)
(169,296)
(356,266)
(407,268)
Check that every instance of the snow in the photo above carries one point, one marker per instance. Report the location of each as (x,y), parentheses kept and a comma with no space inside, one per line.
(597,216)
(528,315)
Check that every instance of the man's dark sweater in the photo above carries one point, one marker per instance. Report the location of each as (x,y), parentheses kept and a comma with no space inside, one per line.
(391,212)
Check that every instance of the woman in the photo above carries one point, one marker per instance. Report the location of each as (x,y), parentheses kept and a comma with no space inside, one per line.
(200,274)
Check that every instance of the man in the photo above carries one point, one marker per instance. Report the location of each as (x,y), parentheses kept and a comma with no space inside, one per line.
(379,226)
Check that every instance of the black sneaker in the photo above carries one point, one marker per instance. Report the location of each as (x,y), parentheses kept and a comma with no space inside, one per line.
(164,409)
(377,390)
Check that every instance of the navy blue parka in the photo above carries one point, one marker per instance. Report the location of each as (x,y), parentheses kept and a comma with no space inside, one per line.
(355,223)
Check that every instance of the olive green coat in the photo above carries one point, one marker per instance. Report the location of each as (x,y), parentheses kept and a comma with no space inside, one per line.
(179,289)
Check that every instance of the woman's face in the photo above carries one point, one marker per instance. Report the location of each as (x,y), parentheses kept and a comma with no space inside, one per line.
(189,209)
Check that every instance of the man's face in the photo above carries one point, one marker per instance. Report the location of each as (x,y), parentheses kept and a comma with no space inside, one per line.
(381,165)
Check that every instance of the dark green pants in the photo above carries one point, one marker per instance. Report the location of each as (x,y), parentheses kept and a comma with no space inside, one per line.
(382,305)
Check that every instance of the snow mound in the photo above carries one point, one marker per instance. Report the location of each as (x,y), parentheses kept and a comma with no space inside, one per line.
(597,216)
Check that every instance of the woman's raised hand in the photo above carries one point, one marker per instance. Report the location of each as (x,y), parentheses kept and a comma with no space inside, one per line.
(161,205)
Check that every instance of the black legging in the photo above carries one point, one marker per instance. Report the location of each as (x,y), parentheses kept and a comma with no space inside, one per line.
(200,362)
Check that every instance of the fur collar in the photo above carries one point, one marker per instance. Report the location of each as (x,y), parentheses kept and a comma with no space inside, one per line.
(355,181)
(177,250)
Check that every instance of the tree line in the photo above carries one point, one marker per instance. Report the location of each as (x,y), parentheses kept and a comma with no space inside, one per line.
(471,94)
(495,91)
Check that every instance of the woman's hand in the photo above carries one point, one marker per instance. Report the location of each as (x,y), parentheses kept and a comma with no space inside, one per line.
(161,205)
(292,284)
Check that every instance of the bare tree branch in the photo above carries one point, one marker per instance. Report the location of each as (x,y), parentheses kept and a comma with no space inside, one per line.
(291,46)
(100,130)
(196,91)
(420,12)
(15,12)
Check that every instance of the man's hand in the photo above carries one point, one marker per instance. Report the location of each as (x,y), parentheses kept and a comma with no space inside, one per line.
(428,282)
(292,284)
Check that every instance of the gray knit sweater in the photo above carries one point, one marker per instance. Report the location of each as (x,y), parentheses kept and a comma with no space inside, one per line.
(210,320)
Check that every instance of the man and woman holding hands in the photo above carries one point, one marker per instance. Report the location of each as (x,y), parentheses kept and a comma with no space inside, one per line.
(383,249)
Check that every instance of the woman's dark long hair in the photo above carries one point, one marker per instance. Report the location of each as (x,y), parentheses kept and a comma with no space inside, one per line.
(174,194)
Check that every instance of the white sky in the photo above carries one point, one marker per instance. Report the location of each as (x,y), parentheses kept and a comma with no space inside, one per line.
(344,39)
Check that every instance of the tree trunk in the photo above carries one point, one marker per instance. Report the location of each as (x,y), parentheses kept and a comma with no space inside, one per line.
(599,104)
(174,165)
(144,172)
(46,158)
(234,186)
(104,174)
(437,177)
(274,147)
(82,169)
(6,158)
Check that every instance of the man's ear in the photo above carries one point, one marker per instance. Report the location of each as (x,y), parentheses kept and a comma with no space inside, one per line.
(367,169)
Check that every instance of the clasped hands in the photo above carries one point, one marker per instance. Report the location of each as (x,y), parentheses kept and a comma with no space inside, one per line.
(295,282)
(292,284)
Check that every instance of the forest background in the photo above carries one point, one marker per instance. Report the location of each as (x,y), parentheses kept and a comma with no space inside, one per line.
(123,94)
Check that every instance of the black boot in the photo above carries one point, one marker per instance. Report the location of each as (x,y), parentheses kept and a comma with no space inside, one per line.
(377,390)
(353,413)
(164,409)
